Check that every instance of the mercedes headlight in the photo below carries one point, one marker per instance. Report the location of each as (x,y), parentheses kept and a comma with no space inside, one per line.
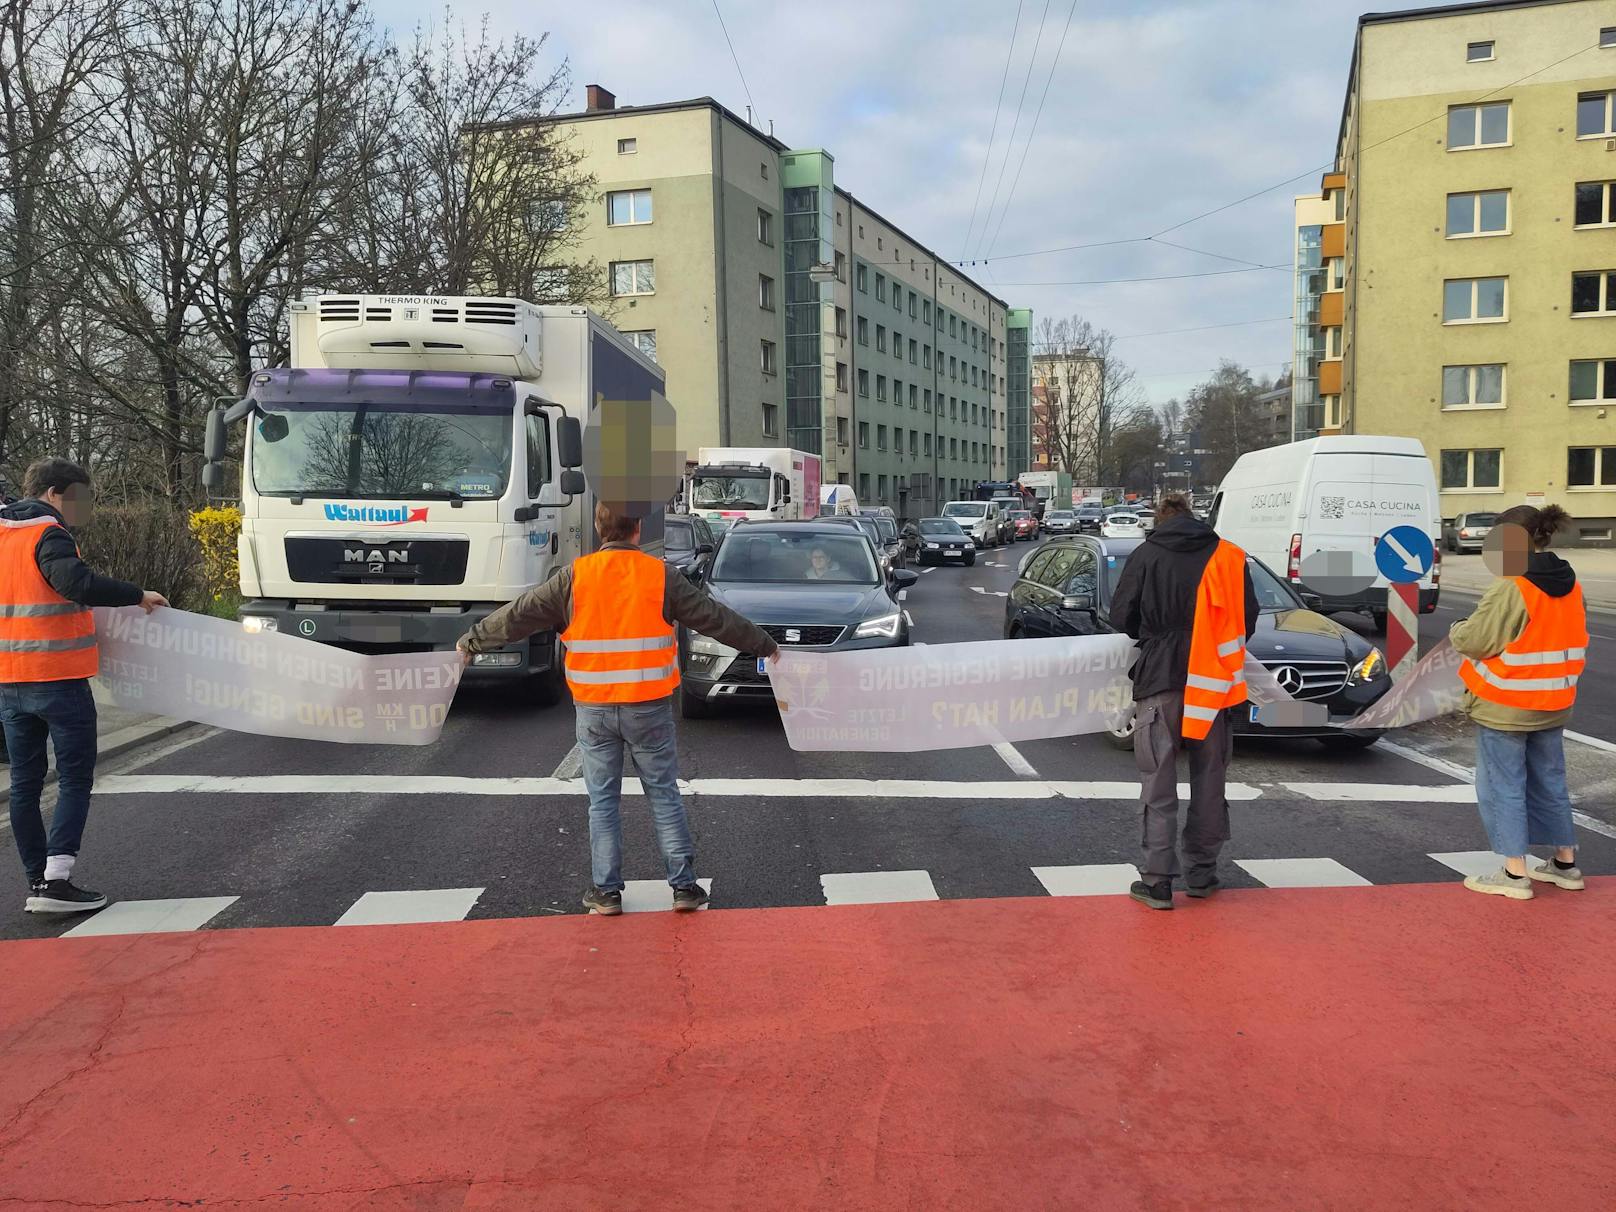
(1371,667)
(886,627)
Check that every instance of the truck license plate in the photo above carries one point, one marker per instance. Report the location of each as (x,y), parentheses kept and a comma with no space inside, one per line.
(763,665)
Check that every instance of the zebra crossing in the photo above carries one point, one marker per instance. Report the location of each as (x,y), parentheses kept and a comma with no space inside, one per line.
(408,906)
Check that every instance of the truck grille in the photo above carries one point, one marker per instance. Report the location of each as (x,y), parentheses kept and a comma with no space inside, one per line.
(808,636)
(1320,679)
(339,309)
(486,312)
(352,562)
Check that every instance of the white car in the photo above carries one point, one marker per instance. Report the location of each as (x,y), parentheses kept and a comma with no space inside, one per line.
(1122,526)
(1147,519)
(981,520)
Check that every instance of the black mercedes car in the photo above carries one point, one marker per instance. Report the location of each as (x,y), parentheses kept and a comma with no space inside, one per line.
(941,541)
(1065,588)
(813,584)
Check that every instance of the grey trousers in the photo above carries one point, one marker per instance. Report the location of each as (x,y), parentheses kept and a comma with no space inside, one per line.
(1156,745)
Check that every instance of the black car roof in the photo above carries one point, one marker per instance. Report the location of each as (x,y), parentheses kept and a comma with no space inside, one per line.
(829,525)
(1109,547)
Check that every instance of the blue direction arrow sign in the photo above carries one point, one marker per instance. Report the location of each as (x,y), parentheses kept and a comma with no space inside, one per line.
(1404,554)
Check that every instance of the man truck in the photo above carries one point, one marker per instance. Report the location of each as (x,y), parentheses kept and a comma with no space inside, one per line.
(1050,490)
(416,467)
(765,483)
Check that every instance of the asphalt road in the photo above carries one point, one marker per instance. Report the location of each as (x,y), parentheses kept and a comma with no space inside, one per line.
(240,830)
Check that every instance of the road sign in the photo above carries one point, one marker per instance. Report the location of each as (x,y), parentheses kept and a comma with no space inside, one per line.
(1404,554)
(1402,628)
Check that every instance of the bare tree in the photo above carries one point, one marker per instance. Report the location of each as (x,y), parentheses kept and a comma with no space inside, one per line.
(1225,412)
(1088,391)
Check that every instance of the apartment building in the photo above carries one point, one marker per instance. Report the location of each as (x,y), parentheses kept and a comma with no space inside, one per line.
(1470,271)
(1313,215)
(1065,398)
(787,312)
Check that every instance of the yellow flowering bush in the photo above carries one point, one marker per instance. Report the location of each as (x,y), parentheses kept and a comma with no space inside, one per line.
(216,530)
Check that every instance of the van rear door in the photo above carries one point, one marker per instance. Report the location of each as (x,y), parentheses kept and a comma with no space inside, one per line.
(1354,498)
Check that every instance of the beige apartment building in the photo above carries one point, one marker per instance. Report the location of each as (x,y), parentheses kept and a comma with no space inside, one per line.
(786,312)
(1468,292)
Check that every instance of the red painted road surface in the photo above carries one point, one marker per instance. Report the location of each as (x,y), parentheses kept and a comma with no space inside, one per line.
(1412,1046)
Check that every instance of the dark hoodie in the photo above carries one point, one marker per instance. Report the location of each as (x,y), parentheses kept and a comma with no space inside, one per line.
(58,558)
(1155,601)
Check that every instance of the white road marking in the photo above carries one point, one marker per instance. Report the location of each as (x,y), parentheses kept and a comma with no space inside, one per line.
(908,618)
(570,765)
(1092,879)
(877,887)
(1013,759)
(399,908)
(1428,760)
(653,896)
(928,568)
(1302,873)
(1386,793)
(1470,862)
(153,917)
(995,593)
(146,757)
(1593,823)
(1582,738)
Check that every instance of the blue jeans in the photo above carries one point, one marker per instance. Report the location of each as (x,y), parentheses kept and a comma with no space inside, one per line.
(1521,790)
(64,712)
(646,729)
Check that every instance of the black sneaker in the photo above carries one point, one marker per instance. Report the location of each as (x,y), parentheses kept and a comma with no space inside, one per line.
(606,904)
(687,899)
(60,896)
(1202,891)
(1157,896)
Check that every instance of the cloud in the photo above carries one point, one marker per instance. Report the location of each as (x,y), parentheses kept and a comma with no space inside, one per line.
(1157,112)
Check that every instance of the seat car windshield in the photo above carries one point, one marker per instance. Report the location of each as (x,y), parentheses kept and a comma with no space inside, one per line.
(965,509)
(795,559)
(731,492)
(942,526)
(381,450)
(888,529)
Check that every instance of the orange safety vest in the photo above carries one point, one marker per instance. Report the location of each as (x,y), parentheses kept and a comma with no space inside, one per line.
(619,647)
(1538,669)
(1217,677)
(43,636)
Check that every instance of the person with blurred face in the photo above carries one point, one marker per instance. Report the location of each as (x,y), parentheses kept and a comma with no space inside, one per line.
(47,658)
(1525,647)
(819,565)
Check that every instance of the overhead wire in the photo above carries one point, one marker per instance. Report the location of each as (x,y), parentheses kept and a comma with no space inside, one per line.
(1206,273)
(1010,145)
(987,156)
(736,58)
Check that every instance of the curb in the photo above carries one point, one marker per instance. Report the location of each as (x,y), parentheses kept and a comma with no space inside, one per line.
(115,744)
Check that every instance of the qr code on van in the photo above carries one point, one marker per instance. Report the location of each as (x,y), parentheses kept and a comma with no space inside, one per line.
(1333,507)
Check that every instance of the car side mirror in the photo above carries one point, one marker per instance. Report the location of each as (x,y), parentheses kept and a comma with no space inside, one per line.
(704,549)
(1311,600)
(569,444)
(1080,602)
(572,482)
(902,578)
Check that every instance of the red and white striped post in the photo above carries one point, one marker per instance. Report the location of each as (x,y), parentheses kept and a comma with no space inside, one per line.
(1402,628)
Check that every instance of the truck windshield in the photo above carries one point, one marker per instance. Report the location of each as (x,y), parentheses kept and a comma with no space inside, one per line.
(731,491)
(381,450)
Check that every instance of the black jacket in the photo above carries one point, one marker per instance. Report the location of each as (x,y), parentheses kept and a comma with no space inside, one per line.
(1155,601)
(1550,573)
(58,558)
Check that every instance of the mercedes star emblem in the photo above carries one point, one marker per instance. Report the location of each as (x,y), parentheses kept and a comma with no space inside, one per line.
(1289,678)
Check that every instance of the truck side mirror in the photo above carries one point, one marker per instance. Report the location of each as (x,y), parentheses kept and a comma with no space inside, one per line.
(572,481)
(215,440)
(570,446)
(212,476)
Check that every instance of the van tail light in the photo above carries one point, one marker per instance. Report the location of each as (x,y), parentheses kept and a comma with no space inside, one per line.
(1294,570)
(1436,568)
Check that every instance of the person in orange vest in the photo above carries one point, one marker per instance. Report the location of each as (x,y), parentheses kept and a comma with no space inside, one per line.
(1187,597)
(616,611)
(47,658)
(1525,647)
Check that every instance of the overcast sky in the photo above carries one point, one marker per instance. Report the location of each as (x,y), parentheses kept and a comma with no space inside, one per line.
(1156,112)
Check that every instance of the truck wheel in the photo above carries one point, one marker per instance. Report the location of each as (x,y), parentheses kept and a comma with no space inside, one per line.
(693,706)
(550,687)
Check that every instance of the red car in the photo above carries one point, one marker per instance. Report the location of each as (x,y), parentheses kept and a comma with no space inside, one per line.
(1026,524)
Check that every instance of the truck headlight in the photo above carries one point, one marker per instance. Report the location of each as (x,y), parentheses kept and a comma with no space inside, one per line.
(1371,667)
(497,660)
(710,647)
(256,624)
(886,627)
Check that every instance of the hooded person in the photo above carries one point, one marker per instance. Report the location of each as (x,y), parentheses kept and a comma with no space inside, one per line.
(1187,597)
(1525,647)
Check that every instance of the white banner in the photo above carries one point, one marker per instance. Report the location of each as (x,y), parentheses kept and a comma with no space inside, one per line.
(948,696)
(195,667)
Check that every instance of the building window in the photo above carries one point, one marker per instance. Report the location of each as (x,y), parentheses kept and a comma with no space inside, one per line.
(925,400)
(897,344)
(763,169)
(953,326)
(627,147)
(644,340)
(864,485)
(880,437)
(841,376)
(626,207)
(1478,126)
(881,288)
(841,426)
(880,387)
(633,277)
(768,360)
(1336,268)
(861,277)
(913,309)
(881,337)
(953,448)
(765,227)
(1473,386)
(771,420)
(925,441)
(765,292)
(914,396)
(914,351)
(1479,52)
(1593,382)
(841,322)
(1596,204)
(1332,342)
(925,351)
(1595,116)
(881,488)
(1478,214)
(897,297)
(1474,469)
(953,367)
(914,443)
(1607,37)
(897,392)
(863,331)
(1473,300)
(841,267)
(864,433)
(864,383)
(1591,466)
(1332,411)
(1594,294)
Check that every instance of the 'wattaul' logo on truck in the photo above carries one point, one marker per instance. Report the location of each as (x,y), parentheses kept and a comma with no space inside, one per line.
(375,515)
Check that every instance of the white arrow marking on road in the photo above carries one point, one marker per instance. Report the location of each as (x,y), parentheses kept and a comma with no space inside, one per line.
(1409,562)
(997,593)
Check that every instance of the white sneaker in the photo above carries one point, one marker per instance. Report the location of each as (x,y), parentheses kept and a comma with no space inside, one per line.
(1569,878)
(1500,883)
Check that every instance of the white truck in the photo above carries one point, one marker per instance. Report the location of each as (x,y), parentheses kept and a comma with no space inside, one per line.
(416,467)
(763,483)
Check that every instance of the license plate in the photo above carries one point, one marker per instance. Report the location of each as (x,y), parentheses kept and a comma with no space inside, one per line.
(1255,708)
(951,553)
(763,665)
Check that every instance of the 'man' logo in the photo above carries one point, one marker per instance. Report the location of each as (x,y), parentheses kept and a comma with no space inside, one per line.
(375,515)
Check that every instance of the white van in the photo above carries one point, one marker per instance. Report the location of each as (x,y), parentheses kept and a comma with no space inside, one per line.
(837,499)
(982,520)
(1332,494)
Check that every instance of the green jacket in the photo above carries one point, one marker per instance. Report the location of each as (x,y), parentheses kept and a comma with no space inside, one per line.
(1500,618)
